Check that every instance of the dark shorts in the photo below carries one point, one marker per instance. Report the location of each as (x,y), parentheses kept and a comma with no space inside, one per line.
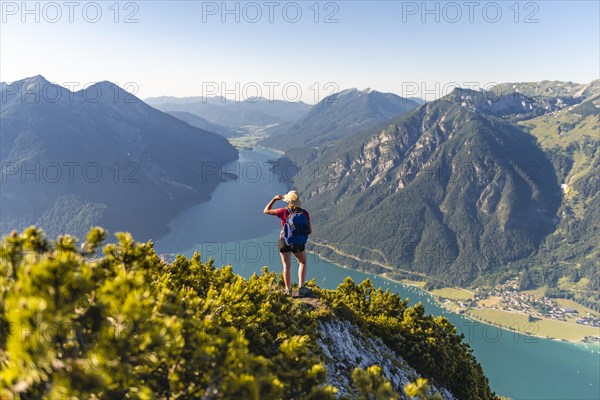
(285,248)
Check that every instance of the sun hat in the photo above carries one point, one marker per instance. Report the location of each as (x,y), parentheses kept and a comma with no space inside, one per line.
(292,198)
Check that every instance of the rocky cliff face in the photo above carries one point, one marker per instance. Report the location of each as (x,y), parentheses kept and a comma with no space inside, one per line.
(345,347)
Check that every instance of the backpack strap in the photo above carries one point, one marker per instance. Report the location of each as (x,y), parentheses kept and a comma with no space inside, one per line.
(295,211)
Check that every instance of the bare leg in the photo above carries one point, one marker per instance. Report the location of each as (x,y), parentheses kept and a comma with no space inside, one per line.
(286,260)
(301,257)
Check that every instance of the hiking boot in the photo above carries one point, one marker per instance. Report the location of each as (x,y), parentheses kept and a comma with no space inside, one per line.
(304,291)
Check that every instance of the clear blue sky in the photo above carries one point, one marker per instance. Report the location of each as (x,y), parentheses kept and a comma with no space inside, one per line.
(185,48)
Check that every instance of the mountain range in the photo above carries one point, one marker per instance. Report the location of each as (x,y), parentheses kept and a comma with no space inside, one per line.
(257,111)
(338,116)
(71,160)
(465,188)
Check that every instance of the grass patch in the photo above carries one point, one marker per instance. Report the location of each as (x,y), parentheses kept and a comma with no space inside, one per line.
(582,310)
(568,131)
(489,302)
(540,327)
(538,292)
(546,128)
(580,286)
(453,293)
(252,138)
(411,282)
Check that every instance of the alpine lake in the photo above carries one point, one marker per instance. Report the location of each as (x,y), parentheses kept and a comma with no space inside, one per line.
(231,229)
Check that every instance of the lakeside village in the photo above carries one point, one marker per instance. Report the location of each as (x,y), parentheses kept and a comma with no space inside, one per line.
(507,297)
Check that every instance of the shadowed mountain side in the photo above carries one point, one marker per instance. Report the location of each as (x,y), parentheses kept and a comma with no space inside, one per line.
(70,162)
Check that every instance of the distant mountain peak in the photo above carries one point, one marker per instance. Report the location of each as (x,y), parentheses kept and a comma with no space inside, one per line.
(108,91)
(31,89)
(252,111)
(345,91)
(106,85)
(355,92)
(31,83)
(339,115)
(549,89)
(350,93)
(36,79)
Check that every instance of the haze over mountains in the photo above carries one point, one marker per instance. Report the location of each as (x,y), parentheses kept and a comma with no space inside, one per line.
(202,123)
(289,124)
(232,114)
(337,116)
(71,160)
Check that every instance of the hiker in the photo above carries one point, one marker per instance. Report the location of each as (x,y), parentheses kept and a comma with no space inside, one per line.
(296,227)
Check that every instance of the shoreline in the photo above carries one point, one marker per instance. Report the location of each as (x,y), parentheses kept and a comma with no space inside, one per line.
(577,342)
(436,298)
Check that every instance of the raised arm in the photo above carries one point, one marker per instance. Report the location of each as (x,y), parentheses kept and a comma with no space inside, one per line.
(268,207)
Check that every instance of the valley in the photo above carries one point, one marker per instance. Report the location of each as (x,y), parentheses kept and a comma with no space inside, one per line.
(503,305)
(153,156)
(525,311)
(497,303)
(449,211)
(476,189)
(205,228)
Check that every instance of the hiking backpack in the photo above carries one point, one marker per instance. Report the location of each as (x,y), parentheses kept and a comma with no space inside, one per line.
(295,229)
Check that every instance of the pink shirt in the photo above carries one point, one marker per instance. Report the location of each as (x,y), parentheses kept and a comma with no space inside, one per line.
(282,214)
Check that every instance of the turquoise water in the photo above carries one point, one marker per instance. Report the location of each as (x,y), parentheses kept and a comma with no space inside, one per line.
(232,230)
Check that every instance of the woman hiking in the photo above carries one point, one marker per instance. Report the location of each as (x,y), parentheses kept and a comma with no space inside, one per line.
(296,227)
